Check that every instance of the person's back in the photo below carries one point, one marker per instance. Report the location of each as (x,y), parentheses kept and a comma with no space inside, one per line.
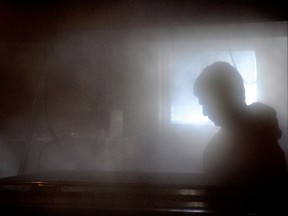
(249,154)
(246,149)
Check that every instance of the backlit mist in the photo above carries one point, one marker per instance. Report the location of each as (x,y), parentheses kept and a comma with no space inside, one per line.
(100,98)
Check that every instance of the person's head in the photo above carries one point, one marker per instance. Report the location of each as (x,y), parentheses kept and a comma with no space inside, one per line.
(220,90)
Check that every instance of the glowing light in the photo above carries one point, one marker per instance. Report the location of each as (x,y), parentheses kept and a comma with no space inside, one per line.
(185,67)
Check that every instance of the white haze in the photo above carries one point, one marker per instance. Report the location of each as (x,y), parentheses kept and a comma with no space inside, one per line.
(107,97)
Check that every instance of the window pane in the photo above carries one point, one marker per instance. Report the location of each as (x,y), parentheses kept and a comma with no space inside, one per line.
(184,69)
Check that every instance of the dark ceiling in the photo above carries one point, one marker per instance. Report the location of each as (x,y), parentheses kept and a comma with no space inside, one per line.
(20,19)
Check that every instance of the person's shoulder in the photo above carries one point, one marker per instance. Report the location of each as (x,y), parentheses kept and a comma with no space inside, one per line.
(259,108)
(264,118)
(263,114)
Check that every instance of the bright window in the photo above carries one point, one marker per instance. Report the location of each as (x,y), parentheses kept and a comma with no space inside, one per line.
(185,67)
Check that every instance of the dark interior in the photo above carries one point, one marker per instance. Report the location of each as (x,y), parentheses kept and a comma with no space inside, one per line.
(84,104)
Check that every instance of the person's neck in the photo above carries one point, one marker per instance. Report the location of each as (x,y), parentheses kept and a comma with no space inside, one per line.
(238,118)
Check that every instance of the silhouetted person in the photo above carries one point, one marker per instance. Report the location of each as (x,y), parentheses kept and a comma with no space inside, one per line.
(246,148)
